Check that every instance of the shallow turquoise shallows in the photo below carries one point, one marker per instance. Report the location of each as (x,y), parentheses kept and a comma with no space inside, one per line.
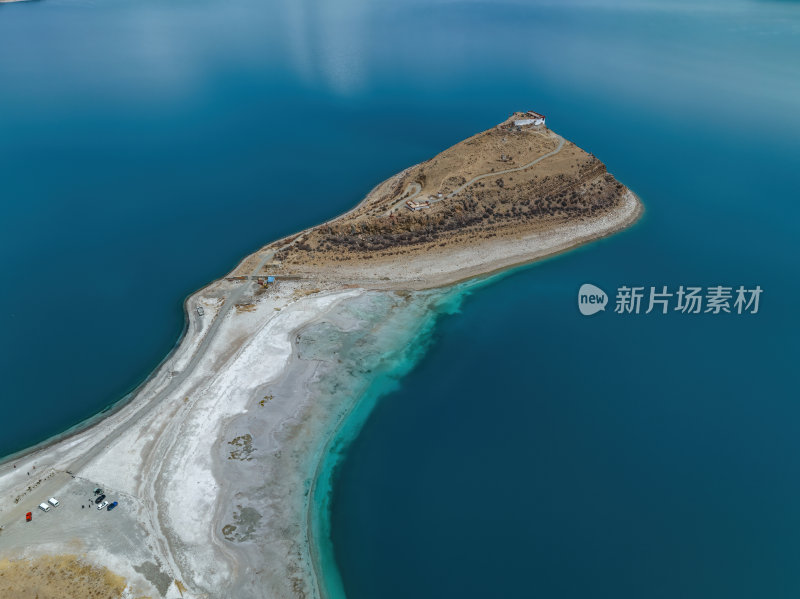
(146,146)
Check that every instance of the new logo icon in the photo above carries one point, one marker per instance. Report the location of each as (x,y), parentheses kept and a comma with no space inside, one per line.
(591,299)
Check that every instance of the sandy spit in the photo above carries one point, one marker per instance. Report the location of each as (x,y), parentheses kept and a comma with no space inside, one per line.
(210,459)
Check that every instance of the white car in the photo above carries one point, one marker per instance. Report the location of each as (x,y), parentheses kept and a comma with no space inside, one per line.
(102,505)
(53,501)
(44,507)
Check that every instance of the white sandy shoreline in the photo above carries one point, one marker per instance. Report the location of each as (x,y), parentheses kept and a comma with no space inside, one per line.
(214,455)
(180,343)
(175,465)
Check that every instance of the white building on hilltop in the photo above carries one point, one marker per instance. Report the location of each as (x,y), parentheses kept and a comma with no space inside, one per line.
(531,118)
(415,206)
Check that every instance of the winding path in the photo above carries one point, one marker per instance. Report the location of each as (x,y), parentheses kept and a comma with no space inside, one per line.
(404,198)
(503,172)
(474,179)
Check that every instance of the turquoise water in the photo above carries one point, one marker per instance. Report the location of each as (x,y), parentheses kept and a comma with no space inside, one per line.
(392,336)
(397,341)
(146,146)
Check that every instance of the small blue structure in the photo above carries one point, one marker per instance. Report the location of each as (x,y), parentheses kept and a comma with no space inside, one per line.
(270,279)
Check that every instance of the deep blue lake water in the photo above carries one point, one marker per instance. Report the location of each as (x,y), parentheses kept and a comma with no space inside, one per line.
(146,146)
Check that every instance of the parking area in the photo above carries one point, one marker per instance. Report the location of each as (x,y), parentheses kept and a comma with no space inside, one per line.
(76,525)
(73,505)
(119,539)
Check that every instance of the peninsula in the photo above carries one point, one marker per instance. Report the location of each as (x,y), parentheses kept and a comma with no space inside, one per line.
(213,461)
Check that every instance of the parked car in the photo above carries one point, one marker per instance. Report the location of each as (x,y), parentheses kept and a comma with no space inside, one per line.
(53,501)
(112,506)
(28,517)
(99,499)
(44,507)
(98,491)
(102,505)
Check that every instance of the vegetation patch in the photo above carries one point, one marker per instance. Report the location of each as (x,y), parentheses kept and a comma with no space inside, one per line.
(298,293)
(243,528)
(243,447)
(58,577)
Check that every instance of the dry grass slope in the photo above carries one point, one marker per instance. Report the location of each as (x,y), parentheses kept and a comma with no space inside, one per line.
(569,186)
(58,577)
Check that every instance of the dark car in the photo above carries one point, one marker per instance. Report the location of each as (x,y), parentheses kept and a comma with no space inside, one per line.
(98,491)
(112,506)
(99,499)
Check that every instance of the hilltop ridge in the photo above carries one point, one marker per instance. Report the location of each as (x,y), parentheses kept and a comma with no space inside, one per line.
(486,194)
